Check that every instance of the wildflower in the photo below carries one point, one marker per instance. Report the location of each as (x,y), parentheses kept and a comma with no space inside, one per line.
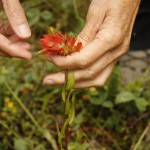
(57,43)
(10,105)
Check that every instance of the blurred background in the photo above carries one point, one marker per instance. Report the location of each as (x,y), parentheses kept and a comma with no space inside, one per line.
(115,117)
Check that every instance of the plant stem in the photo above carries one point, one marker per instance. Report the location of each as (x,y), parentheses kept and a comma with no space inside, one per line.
(141,137)
(66,81)
(66,94)
(66,138)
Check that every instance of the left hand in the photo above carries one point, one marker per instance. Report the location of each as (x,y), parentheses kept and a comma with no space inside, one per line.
(106,37)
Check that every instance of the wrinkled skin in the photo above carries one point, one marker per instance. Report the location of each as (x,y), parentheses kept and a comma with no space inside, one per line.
(106,37)
(12,36)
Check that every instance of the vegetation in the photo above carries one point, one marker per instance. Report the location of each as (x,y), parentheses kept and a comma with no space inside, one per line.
(115,117)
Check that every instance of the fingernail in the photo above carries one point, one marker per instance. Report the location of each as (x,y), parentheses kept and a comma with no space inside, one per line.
(49,82)
(24,30)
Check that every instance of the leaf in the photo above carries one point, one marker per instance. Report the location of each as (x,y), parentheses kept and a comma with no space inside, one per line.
(124,97)
(49,137)
(84,146)
(46,99)
(70,82)
(34,16)
(96,100)
(63,130)
(71,114)
(20,144)
(72,146)
(67,106)
(108,104)
(141,104)
(60,137)
(47,15)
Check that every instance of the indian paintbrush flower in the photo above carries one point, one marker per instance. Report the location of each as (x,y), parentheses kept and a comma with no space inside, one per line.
(61,44)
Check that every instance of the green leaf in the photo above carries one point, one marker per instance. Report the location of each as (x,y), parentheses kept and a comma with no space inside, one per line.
(63,130)
(47,15)
(70,82)
(141,104)
(67,106)
(60,136)
(72,146)
(34,16)
(20,144)
(125,97)
(84,146)
(96,100)
(71,114)
(46,99)
(108,104)
(49,137)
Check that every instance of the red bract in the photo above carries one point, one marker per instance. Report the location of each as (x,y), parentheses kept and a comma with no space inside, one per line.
(57,43)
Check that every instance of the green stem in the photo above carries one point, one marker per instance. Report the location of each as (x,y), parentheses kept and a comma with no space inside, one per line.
(141,137)
(66,94)
(66,81)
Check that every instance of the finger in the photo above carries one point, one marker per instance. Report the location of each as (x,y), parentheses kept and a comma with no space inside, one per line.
(59,78)
(99,81)
(17,18)
(13,49)
(24,45)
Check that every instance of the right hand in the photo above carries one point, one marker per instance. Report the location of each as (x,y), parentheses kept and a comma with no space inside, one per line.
(12,37)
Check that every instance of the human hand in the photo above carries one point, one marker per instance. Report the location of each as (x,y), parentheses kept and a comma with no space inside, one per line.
(106,37)
(12,37)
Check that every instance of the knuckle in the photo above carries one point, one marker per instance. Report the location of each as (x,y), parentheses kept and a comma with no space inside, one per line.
(90,74)
(125,48)
(109,57)
(83,61)
(119,36)
(113,39)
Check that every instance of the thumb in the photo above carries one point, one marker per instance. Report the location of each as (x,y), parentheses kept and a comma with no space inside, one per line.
(17,18)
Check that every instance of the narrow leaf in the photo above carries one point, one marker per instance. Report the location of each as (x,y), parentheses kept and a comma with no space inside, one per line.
(67,107)
(71,114)
(70,82)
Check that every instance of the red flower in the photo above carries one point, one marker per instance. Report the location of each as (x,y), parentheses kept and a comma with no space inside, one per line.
(57,43)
